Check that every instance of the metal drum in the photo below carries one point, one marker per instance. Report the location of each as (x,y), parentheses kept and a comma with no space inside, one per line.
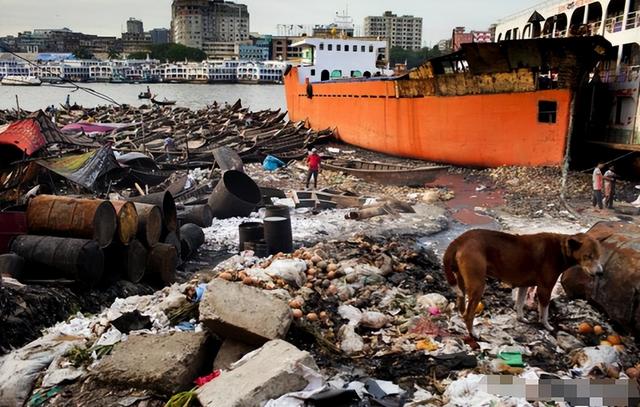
(127,221)
(259,248)
(235,195)
(49,257)
(250,232)
(277,210)
(200,215)
(166,203)
(173,239)
(191,238)
(161,264)
(278,235)
(149,223)
(70,217)
(127,262)
(11,265)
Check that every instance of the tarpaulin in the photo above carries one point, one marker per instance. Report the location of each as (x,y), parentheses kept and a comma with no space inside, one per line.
(84,169)
(95,127)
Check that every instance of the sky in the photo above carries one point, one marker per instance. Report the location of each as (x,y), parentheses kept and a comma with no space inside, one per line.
(108,17)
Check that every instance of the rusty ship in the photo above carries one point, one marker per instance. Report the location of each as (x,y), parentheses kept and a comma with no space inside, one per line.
(487,105)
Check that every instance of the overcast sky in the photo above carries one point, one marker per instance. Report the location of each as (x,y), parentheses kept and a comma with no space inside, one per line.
(108,17)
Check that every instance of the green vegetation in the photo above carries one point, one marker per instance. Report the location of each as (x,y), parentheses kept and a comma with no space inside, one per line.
(83,53)
(412,58)
(171,53)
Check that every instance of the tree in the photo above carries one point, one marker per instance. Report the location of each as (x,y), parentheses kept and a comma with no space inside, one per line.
(113,53)
(413,59)
(83,53)
(171,53)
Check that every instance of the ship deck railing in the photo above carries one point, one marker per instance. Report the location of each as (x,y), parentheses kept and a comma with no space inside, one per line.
(633,20)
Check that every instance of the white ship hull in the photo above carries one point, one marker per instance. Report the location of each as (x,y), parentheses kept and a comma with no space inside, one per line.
(20,81)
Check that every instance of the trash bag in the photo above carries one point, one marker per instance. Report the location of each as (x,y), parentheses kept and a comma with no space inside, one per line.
(290,270)
(272,163)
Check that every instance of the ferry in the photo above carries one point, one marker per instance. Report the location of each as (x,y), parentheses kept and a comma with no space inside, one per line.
(20,80)
(487,105)
(619,22)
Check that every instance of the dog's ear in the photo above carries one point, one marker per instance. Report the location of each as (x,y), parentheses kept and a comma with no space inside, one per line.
(574,243)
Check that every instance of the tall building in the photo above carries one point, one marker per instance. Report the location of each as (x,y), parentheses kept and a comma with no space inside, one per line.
(195,23)
(404,31)
(160,35)
(135,26)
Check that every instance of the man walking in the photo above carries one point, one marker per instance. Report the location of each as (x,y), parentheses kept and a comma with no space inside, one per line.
(313,161)
(610,187)
(597,180)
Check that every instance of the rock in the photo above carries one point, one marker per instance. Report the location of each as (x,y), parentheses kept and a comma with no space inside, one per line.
(230,352)
(275,369)
(373,319)
(166,364)
(431,196)
(247,314)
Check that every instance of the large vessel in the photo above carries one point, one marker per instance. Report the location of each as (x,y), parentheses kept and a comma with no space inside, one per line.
(487,105)
(20,80)
(619,22)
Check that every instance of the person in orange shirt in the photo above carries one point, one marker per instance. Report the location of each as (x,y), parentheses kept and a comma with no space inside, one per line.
(313,161)
(597,181)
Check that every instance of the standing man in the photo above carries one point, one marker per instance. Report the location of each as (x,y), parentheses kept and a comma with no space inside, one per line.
(610,186)
(313,161)
(597,180)
(169,147)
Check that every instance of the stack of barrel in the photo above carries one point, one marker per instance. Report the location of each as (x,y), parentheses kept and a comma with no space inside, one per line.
(272,236)
(94,241)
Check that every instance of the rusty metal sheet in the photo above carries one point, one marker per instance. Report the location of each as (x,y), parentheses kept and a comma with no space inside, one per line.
(228,159)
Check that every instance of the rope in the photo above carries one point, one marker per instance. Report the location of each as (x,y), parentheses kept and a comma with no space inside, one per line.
(588,170)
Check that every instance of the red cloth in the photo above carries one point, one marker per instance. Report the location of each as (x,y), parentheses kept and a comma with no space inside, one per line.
(201,381)
(314,162)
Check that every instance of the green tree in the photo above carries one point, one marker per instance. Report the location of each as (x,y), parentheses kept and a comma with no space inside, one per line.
(171,53)
(113,53)
(413,59)
(83,53)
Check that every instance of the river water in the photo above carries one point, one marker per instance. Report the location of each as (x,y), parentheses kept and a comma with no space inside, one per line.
(257,97)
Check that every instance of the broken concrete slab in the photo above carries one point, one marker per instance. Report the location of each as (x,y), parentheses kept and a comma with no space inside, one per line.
(230,352)
(248,314)
(166,364)
(275,369)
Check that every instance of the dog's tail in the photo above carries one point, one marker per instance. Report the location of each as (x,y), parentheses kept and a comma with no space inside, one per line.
(449,265)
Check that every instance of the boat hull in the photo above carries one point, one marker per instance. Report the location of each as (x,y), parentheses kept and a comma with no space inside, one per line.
(399,177)
(484,130)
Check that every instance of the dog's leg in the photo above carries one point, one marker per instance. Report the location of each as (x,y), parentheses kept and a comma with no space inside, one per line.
(474,294)
(521,297)
(544,297)
(460,297)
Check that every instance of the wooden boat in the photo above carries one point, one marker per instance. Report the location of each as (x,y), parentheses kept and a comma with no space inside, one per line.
(163,102)
(145,95)
(387,174)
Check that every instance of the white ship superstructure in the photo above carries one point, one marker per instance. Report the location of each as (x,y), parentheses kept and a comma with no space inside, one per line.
(619,22)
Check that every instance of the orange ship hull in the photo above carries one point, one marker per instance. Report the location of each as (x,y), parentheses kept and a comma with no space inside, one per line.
(483,130)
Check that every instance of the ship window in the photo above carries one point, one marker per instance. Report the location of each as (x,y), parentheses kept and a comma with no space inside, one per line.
(330,47)
(355,48)
(313,72)
(346,48)
(322,46)
(338,47)
(336,73)
(363,49)
(370,48)
(547,111)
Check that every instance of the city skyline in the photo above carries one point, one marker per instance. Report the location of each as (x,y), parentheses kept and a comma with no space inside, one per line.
(108,17)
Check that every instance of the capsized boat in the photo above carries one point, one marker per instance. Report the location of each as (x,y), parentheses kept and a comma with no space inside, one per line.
(145,95)
(385,173)
(20,80)
(488,105)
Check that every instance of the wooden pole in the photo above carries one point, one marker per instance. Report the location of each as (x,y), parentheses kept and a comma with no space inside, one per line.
(18,106)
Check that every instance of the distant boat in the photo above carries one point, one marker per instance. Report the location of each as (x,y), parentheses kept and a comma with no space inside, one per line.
(163,102)
(145,95)
(386,173)
(19,80)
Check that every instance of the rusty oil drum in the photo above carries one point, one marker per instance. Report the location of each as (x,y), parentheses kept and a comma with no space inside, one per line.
(48,257)
(166,203)
(191,238)
(127,221)
(200,215)
(149,223)
(617,290)
(70,217)
(235,195)
(125,262)
(162,262)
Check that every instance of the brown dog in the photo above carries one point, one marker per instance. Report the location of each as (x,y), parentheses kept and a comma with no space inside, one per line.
(521,261)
